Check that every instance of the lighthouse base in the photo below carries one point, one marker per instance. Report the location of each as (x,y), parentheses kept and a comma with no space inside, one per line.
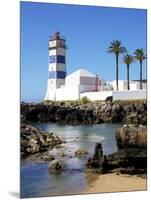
(50,95)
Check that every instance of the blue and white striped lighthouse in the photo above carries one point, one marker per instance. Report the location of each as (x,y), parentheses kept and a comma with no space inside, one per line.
(56,66)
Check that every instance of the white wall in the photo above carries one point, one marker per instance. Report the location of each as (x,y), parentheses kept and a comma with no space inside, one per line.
(122,84)
(135,85)
(50,95)
(52,43)
(72,80)
(129,95)
(55,67)
(86,88)
(59,51)
(70,93)
(67,93)
(102,95)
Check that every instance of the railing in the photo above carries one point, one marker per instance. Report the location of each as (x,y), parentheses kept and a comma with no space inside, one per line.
(59,46)
(54,37)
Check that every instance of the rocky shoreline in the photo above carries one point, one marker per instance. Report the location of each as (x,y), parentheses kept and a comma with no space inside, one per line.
(34,140)
(89,113)
(131,138)
(131,157)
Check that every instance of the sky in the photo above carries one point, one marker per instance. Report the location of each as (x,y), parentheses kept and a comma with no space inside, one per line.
(88,31)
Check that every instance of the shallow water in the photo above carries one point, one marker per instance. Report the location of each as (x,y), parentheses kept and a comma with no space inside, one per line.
(35,178)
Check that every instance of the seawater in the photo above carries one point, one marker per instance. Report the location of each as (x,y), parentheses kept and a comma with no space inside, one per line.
(36,181)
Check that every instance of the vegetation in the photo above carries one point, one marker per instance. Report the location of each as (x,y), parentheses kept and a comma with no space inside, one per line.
(47,101)
(85,100)
(140,56)
(128,59)
(117,49)
(125,102)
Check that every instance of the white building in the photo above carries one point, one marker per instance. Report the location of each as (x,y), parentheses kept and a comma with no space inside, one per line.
(76,83)
(122,85)
(82,82)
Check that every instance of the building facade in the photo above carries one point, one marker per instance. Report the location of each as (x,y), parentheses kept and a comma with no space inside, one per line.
(82,83)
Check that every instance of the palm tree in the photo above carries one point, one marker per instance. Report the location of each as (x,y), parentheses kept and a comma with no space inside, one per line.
(117,49)
(140,56)
(128,59)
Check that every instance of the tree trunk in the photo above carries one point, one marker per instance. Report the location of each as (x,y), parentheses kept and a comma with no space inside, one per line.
(141,75)
(128,81)
(116,72)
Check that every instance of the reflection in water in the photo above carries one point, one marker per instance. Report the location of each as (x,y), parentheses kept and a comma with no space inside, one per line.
(35,179)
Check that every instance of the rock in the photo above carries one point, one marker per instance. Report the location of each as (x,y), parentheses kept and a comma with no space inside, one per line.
(34,140)
(80,153)
(129,170)
(131,136)
(98,151)
(90,113)
(33,148)
(47,157)
(96,160)
(55,167)
(105,166)
(129,157)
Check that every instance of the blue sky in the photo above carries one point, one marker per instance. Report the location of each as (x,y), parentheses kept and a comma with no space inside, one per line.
(88,30)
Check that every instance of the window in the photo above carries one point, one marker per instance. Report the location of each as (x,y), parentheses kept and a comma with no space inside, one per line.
(60,59)
(52,59)
(52,75)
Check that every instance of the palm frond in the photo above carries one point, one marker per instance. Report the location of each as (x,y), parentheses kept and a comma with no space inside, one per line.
(128,59)
(116,48)
(140,54)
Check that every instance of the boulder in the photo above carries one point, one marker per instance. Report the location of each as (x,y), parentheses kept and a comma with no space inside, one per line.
(80,153)
(34,140)
(55,167)
(131,156)
(47,157)
(96,160)
(128,157)
(131,136)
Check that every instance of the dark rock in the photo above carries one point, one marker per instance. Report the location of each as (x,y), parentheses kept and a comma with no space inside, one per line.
(129,157)
(96,160)
(90,113)
(109,99)
(55,167)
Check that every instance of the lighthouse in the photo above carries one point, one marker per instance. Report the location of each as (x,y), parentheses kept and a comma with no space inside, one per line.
(56,65)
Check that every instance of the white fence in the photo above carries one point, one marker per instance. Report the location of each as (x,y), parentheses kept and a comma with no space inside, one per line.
(129,95)
(101,95)
(72,93)
(117,95)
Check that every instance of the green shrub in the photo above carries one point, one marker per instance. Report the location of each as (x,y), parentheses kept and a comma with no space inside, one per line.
(85,100)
